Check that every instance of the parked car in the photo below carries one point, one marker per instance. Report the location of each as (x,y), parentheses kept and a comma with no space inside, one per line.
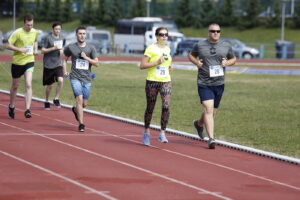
(100,39)
(241,50)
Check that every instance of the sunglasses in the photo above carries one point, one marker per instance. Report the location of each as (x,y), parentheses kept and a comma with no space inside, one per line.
(215,31)
(163,34)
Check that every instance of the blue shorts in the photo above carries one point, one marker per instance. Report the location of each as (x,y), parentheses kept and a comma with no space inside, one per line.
(211,93)
(81,88)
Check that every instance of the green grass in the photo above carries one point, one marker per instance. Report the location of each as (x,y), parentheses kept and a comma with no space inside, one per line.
(260,111)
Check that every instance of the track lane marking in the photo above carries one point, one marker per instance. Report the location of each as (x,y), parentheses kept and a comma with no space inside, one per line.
(203,191)
(89,189)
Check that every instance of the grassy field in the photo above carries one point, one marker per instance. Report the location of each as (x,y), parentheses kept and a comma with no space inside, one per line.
(260,111)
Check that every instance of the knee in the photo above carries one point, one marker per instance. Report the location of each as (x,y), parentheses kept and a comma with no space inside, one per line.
(165,106)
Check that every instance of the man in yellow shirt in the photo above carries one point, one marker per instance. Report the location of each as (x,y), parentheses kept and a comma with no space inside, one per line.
(23,42)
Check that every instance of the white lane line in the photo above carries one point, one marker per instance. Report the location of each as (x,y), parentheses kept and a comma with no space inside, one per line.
(125,164)
(197,159)
(91,190)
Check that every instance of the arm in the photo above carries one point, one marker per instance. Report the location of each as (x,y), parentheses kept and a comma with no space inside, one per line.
(93,61)
(14,48)
(47,50)
(145,64)
(35,48)
(195,61)
(230,62)
(65,64)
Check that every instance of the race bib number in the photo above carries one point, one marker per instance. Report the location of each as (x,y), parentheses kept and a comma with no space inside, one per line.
(29,50)
(82,64)
(58,43)
(161,72)
(216,70)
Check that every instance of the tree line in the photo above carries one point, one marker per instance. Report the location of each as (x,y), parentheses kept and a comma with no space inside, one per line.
(188,13)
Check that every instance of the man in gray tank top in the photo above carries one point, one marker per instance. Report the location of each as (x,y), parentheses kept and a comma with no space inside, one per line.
(83,57)
(211,56)
(53,71)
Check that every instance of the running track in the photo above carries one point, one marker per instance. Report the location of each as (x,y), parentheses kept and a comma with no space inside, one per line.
(45,158)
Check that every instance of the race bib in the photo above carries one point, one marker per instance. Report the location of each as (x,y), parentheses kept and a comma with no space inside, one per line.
(58,43)
(29,50)
(82,64)
(161,71)
(216,70)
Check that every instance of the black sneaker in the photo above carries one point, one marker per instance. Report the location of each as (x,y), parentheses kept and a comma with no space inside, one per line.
(199,129)
(11,112)
(75,113)
(211,143)
(47,105)
(56,103)
(81,128)
(27,113)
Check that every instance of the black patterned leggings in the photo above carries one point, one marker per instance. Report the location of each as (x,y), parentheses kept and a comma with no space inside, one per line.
(152,88)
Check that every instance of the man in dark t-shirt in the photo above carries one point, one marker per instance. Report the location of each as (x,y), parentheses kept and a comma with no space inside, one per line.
(83,57)
(53,71)
(211,56)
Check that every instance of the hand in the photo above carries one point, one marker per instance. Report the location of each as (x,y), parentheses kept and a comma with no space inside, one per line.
(199,63)
(160,60)
(23,50)
(170,68)
(83,55)
(224,62)
(35,52)
(66,74)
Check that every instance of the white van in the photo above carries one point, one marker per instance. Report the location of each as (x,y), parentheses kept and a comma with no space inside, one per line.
(130,34)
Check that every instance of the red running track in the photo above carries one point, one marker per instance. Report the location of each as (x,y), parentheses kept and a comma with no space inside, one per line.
(45,158)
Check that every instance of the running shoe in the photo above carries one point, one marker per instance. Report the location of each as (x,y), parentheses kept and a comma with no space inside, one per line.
(146,139)
(75,113)
(162,138)
(56,103)
(47,105)
(81,128)
(199,129)
(27,113)
(11,112)
(211,143)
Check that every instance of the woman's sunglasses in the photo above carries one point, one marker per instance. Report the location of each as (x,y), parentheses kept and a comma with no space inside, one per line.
(163,34)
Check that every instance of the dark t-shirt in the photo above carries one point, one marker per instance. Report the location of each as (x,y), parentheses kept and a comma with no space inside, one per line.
(211,55)
(52,59)
(81,69)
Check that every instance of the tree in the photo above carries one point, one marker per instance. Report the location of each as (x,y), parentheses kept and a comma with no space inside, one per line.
(113,13)
(274,20)
(44,9)
(87,15)
(184,14)
(251,19)
(66,13)
(208,12)
(226,16)
(138,8)
(55,11)
(100,12)
(296,17)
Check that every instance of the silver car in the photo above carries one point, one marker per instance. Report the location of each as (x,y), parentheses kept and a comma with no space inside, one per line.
(241,50)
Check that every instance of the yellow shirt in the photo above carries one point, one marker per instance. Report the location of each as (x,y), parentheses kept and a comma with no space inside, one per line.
(23,39)
(161,72)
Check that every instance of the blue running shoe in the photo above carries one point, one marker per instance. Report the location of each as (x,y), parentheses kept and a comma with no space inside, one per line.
(199,129)
(146,139)
(162,138)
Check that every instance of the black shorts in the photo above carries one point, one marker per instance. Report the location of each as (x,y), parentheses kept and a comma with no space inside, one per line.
(211,93)
(50,75)
(18,70)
